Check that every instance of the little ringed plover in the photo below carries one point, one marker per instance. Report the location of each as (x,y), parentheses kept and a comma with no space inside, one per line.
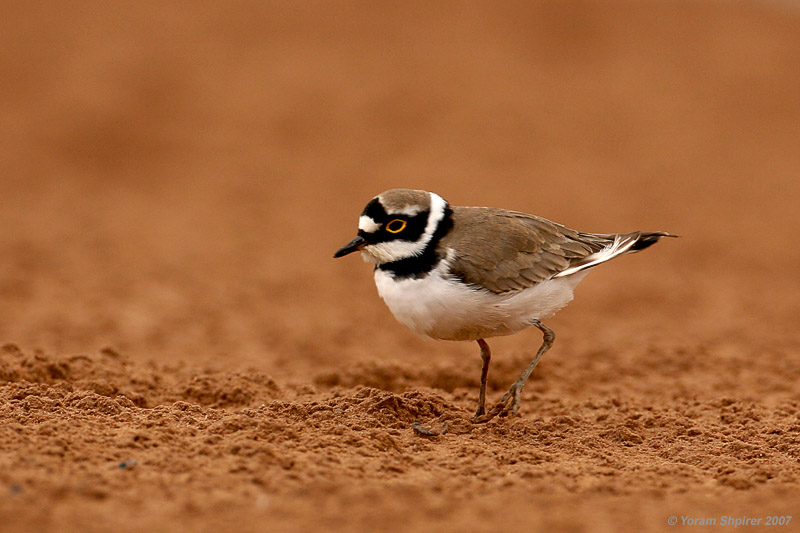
(470,273)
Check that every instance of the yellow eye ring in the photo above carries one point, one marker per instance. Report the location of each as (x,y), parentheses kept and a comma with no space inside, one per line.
(396,226)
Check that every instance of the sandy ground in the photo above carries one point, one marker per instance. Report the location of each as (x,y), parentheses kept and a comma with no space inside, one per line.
(180,352)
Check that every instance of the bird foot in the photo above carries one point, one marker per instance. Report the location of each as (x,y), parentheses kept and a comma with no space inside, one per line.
(508,406)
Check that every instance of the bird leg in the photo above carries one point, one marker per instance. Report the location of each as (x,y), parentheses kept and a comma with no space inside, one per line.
(510,400)
(548,336)
(486,356)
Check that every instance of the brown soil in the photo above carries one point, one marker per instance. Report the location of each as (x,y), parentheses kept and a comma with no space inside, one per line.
(180,352)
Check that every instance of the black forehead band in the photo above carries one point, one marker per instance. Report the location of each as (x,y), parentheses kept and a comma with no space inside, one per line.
(375,210)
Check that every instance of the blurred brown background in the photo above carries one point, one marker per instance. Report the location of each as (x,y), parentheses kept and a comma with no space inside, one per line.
(176,176)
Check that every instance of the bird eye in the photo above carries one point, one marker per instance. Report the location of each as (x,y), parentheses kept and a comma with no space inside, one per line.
(396,226)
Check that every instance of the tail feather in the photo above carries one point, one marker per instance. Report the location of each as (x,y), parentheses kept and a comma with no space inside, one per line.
(647,239)
(618,244)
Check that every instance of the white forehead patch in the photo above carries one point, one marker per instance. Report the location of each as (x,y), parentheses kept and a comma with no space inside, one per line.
(366,223)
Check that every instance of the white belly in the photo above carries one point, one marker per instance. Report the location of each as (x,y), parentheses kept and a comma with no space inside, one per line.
(443,308)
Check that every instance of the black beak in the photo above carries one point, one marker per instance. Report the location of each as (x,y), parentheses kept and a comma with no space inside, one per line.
(352,246)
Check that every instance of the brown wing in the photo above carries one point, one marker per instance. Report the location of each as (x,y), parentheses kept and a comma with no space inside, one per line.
(507,251)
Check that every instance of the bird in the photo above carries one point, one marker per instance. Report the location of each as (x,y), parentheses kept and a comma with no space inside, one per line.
(471,273)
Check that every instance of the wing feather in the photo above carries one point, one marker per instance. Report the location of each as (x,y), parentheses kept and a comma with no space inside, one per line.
(507,251)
